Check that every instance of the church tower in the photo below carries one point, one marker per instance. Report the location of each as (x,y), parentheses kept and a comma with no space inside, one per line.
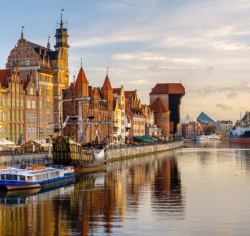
(61,68)
(62,48)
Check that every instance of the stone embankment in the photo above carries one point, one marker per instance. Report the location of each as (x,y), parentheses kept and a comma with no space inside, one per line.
(9,158)
(132,152)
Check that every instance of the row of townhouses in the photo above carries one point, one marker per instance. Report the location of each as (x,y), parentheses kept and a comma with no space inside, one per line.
(38,101)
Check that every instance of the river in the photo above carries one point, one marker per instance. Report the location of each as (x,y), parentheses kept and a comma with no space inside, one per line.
(193,191)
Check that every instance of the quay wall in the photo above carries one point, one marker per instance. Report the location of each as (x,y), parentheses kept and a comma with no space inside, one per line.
(23,157)
(132,152)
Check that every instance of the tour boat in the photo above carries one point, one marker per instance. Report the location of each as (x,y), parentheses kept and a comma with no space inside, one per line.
(34,177)
(240,135)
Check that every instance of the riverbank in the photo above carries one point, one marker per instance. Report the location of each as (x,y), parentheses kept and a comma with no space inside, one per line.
(19,158)
(114,154)
(133,152)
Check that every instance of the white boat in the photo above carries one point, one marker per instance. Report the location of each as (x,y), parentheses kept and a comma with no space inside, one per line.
(34,177)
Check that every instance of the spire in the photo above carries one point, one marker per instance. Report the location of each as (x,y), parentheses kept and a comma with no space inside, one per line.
(107,72)
(81,78)
(22,32)
(61,21)
(48,43)
(81,62)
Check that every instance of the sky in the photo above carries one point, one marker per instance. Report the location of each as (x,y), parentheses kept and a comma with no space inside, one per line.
(203,44)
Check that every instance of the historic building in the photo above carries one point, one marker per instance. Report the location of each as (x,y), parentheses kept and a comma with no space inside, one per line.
(31,110)
(51,75)
(161,116)
(119,116)
(15,95)
(134,114)
(4,112)
(170,95)
(88,111)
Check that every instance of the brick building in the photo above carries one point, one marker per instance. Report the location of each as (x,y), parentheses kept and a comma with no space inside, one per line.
(134,114)
(50,72)
(94,112)
(170,95)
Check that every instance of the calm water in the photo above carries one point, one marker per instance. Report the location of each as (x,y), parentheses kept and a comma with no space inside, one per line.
(193,191)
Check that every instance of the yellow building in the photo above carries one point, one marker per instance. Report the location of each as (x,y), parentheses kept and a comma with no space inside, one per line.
(3,105)
(119,115)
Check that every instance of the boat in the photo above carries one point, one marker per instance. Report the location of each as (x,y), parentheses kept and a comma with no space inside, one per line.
(84,159)
(12,179)
(240,135)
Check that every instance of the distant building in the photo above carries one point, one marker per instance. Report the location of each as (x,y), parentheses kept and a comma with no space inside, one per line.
(224,125)
(207,123)
(169,98)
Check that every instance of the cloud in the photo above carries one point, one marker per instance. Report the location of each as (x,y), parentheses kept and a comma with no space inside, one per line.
(151,57)
(230,91)
(223,107)
(232,95)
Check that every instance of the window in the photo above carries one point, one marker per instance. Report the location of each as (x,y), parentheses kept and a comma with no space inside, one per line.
(29,132)
(47,131)
(28,117)
(28,104)
(33,104)
(34,132)
(41,131)
(33,117)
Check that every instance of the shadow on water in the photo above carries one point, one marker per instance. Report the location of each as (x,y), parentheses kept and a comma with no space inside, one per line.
(97,203)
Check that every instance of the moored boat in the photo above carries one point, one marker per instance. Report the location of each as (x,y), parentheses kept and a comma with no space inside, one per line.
(84,160)
(34,177)
(240,135)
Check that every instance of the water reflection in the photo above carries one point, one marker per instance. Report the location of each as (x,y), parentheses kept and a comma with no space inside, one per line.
(97,203)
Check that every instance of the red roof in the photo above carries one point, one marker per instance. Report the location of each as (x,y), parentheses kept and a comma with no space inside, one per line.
(129,94)
(117,91)
(107,84)
(159,106)
(170,88)
(81,78)
(4,75)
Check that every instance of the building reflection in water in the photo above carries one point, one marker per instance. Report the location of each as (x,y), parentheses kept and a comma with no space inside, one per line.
(97,203)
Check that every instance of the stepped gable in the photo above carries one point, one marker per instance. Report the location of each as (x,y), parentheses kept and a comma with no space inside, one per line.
(4,77)
(168,88)
(204,118)
(158,106)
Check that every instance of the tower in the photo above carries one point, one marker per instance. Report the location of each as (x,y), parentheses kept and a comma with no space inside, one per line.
(61,68)
(62,49)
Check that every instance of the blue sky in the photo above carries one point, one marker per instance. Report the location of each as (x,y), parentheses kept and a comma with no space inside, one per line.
(204,44)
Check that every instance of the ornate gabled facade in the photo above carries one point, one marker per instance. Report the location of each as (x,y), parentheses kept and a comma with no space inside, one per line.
(15,96)
(119,115)
(51,75)
(93,112)
(134,114)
